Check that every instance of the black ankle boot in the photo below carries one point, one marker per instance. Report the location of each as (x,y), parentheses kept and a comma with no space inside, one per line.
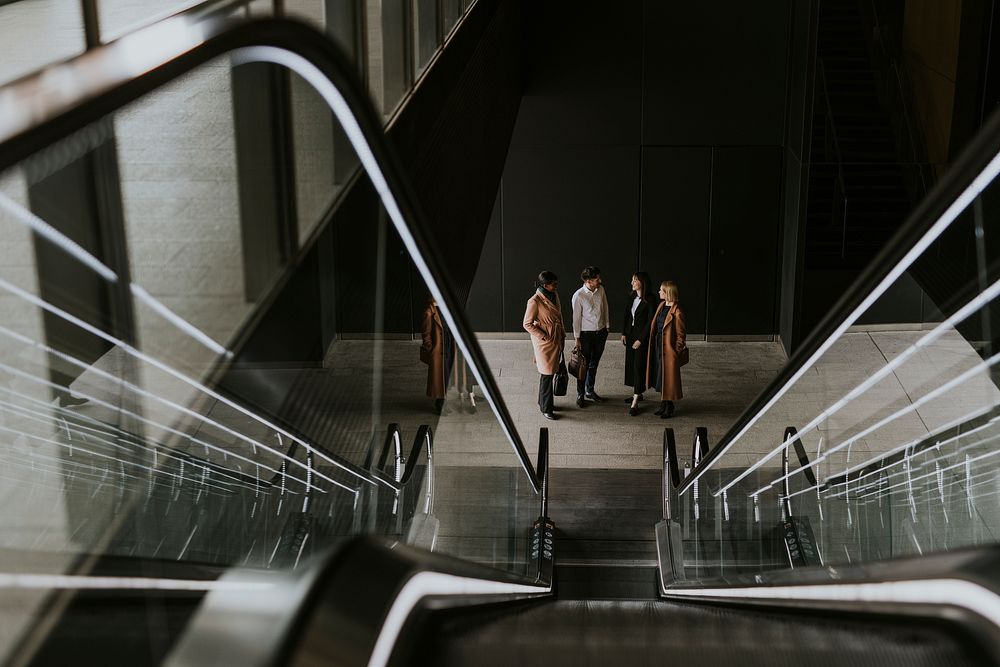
(438,405)
(669,412)
(660,410)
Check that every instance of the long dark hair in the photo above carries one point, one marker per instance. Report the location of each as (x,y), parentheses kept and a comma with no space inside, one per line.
(644,292)
(544,278)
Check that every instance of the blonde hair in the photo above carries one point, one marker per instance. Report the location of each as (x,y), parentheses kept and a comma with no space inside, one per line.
(670,289)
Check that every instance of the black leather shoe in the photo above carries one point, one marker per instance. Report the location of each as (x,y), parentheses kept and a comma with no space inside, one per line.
(579,402)
(550,415)
(670,409)
(632,412)
(663,408)
(595,397)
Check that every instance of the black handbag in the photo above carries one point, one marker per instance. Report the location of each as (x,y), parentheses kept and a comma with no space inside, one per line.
(560,383)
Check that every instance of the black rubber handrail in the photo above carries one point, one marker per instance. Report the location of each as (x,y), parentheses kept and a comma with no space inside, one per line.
(543,470)
(974,158)
(289,620)
(670,457)
(38,111)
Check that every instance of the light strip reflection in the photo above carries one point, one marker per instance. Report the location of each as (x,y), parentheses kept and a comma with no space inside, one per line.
(925,341)
(57,238)
(31,298)
(179,322)
(145,420)
(980,368)
(984,178)
(81,582)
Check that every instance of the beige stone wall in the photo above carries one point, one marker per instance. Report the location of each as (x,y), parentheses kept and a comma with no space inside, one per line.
(36,33)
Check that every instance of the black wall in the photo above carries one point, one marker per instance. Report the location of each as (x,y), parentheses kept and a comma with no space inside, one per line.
(649,137)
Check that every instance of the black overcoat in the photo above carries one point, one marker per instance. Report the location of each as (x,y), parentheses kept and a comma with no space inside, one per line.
(635,360)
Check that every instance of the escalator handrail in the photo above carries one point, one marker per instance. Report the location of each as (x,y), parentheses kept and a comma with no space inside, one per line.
(373,582)
(40,110)
(920,229)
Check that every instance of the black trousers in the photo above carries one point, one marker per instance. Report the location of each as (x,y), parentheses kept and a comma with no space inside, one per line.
(545,393)
(592,346)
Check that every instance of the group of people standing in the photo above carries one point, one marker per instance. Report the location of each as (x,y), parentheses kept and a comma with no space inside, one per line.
(653,335)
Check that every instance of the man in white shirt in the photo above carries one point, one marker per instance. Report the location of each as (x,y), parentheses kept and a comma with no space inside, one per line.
(590,328)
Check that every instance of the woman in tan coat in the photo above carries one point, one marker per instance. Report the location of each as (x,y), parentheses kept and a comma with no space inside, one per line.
(666,346)
(543,320)
(436,350)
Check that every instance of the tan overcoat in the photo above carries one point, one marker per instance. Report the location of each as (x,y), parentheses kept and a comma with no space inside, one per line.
(674,340)
(543,320)
(432,351)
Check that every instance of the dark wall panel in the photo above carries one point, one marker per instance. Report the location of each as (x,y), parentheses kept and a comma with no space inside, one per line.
(564,209)
(583,85)
(714,72)
(454,132)
(674,223)
(743,260)
(485,307)
(789,286)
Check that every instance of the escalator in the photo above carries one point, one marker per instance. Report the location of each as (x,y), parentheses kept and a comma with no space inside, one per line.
(174,498)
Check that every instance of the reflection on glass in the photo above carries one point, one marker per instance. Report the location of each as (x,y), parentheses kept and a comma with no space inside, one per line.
(426,39)
(451,11)
(395,62)
(894,440)
(155,408)
(34,34)
(343,23)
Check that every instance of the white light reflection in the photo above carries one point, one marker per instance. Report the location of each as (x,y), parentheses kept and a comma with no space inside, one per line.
(929,338)
(141,356)
(179,322)
(979,368)
(899,448)
(926,451)
(341,110)
(969,195)
(107,457)
(175,406)
(27,376)
(80,582)
(57,238)
(943,592)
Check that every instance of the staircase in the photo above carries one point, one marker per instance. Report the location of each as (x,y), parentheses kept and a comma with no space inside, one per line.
(857,189)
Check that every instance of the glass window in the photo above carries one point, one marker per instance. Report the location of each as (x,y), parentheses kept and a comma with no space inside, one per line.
(396,78)
(426,35)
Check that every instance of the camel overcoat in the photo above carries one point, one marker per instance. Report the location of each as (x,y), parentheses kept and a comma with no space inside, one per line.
(543,320)
(674,340)
(432,351)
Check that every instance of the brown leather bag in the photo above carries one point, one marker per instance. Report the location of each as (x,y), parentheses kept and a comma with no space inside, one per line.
(577,364)
(683,356)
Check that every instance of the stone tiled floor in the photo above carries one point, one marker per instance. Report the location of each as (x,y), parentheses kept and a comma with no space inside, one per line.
(721,380)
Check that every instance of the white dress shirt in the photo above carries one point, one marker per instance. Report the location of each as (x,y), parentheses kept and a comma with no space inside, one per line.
(590,310)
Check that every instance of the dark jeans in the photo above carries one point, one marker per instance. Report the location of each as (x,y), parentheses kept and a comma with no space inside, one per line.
(592,346)
(545,393)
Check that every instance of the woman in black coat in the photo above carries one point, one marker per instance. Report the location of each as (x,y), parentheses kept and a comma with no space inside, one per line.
(635,338)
